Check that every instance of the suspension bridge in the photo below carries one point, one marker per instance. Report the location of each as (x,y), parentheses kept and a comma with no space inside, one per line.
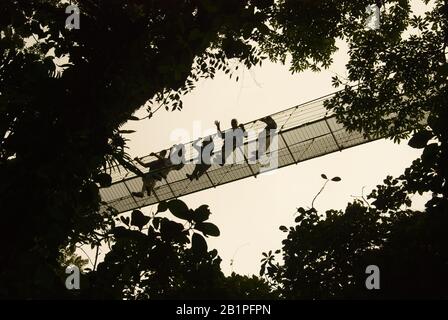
(305,132)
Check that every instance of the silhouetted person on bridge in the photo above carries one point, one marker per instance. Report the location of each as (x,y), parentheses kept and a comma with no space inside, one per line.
(204,157)
(159,169)
(232,139)
(265,136)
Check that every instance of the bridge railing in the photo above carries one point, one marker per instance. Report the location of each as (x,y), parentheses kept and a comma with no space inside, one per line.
(305,131)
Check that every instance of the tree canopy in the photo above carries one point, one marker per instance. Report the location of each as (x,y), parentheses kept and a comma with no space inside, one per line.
(64,94)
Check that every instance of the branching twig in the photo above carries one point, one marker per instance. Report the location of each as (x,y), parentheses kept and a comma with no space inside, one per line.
(322,189)
(362,197)
(88,257)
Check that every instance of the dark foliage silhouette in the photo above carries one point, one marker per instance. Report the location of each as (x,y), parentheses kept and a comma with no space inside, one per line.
(64,94)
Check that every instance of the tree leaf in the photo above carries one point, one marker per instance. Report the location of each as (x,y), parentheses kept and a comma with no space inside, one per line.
(208,229)
(171,230)
(301,210)
(138,219)
(198,244)
(324,176)
(420,139)
(126,131)
(201,214)
(179,209)
(162,207)
(125,220)
(429,155)
(336,179)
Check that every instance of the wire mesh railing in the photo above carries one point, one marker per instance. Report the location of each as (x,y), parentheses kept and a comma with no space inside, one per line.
(304,132)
